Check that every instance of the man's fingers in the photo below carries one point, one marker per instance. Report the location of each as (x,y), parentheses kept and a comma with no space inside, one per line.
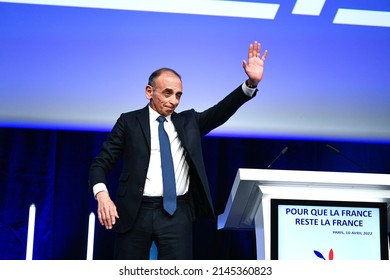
(107,215)
(256,48)
(103,218)
(264,55)
(113,215)
(244,64)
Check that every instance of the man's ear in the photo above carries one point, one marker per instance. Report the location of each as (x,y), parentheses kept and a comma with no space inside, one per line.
(149,92)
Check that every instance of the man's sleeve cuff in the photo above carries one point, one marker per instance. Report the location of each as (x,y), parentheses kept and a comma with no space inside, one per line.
(247,90)
(99,187)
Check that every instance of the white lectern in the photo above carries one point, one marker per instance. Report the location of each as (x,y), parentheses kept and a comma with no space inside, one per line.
(249,203)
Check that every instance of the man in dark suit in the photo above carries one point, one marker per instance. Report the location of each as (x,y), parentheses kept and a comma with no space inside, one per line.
(138,216)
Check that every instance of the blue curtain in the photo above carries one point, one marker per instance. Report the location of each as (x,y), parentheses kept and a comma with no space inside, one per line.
(49,168)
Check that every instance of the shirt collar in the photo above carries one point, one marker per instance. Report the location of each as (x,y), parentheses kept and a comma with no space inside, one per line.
(153,115)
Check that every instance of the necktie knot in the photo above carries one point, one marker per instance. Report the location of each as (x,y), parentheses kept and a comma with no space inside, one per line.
(161,119)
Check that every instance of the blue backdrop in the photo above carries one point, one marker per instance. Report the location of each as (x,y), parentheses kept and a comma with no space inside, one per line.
(66,73)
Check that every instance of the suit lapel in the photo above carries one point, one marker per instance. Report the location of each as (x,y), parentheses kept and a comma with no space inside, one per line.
(179,126)
(143,119)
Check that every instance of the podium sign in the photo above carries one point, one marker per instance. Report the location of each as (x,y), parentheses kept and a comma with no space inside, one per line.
(294,212)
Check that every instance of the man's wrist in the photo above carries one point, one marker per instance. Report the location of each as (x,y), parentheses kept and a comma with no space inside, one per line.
(251,84)
(247,90)
(100,194)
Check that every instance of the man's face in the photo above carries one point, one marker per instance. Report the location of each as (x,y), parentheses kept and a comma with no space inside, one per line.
(165,96)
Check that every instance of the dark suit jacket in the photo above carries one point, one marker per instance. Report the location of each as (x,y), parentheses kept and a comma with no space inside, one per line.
(130,138)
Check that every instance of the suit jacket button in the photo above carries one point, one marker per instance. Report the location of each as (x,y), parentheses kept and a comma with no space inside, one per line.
(141,189)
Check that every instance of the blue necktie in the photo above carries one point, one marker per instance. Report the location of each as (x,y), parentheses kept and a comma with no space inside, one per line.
(168,173)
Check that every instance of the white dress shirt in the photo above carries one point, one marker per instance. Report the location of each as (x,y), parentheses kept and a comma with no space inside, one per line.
(154,183)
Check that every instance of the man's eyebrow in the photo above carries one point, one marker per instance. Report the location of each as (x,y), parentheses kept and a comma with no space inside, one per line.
(167,89)
(170,90)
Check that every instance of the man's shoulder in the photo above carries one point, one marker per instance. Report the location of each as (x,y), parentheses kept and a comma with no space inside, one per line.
(134,113)
(184,114)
